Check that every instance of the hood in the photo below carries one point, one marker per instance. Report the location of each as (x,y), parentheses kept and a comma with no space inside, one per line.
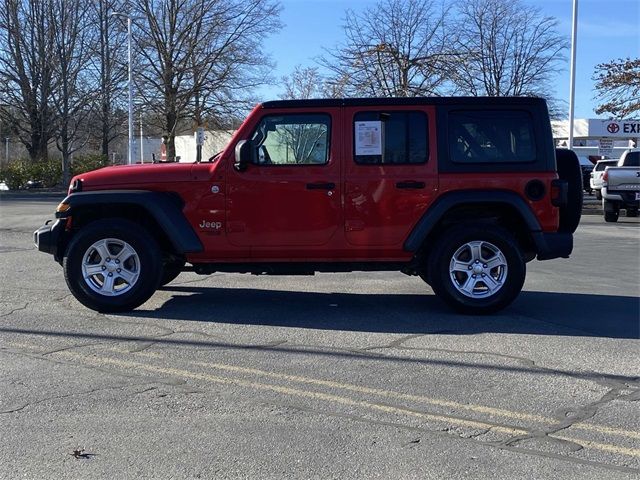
(133,176)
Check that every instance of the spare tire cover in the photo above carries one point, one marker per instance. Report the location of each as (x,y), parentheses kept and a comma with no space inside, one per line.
(570,171)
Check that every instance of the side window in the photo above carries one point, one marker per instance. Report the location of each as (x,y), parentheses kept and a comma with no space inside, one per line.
(491,136)
(293,139)
(396,138)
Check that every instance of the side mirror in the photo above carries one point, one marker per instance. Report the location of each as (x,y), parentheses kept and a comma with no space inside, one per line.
(245,155)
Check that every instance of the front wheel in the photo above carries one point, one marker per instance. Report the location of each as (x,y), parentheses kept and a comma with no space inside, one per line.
(112,265)
(477,269)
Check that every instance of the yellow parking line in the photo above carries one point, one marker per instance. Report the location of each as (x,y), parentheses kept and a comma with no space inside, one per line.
(605,447)
(417,398)
(24,345)
(390,394)
(291,391)
(100,361)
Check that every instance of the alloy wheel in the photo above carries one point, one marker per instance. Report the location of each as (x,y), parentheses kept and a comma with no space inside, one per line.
(110,267)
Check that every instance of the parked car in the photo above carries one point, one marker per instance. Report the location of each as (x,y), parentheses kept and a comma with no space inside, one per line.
(31,184)
(460,192)
(595,180)
(586,167)
(621,186)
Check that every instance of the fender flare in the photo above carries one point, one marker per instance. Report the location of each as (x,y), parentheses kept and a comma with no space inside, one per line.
(446,202)
(164,208)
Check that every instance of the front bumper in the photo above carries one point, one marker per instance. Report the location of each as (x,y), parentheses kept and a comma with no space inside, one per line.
(47,237)
(553,245)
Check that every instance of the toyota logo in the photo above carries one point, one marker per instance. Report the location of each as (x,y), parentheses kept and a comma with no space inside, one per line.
(613,128)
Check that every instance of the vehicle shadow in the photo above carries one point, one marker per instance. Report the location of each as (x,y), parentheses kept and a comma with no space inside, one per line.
(537,313)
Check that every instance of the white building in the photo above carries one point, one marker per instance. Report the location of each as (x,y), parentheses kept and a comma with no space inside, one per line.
(597,136)
(214,142)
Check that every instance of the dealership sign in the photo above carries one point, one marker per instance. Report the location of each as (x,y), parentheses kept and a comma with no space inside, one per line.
(614,128)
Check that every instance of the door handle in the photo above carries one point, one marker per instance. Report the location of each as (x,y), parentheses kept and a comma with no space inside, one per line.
(410,184)
(321,186)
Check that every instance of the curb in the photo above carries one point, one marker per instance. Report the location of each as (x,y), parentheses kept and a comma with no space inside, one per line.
(22,195)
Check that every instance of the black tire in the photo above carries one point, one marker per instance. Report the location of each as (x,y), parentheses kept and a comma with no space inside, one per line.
(570,171)
(425,278)
(453,241)
(147,265)
(599,194)
(170,271)
(611,216)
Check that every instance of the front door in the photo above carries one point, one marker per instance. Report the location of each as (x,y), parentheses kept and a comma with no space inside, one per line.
(290,196)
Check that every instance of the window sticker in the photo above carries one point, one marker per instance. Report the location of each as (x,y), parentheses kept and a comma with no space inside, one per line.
(369,138)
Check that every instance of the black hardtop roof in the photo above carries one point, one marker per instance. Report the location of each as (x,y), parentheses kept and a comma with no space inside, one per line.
(361,102)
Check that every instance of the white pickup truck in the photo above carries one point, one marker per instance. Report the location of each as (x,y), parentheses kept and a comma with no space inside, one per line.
(621,186)
(595,177)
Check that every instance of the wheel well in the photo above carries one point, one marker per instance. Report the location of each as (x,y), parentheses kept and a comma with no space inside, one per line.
(84,215)
(501,214)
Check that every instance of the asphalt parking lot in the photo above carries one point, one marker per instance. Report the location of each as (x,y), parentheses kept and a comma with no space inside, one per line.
(363,375)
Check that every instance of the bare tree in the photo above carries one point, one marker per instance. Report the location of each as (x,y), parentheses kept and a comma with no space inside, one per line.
(201,56)
(108,70)
(302,83)
(308,82)
(27,38)
(305,141)
(618,87)
(73,96)
(506,48)
(231,63)
(397,48)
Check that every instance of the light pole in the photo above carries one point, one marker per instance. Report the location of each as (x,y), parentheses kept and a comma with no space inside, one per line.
(141,141)
(130,145)
(572,74)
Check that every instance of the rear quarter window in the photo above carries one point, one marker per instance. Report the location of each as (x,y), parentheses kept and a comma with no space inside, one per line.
(491,136)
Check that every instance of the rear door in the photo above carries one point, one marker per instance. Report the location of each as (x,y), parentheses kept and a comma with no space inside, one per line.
(390,172)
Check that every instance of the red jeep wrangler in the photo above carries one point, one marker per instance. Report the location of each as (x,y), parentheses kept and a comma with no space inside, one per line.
(461,192)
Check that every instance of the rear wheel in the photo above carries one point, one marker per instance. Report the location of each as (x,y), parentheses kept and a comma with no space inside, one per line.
(611,216)
(112,265)
(611,211)
(477,269)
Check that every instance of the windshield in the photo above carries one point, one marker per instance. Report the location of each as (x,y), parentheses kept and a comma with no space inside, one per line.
(600,166)
(632,160)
